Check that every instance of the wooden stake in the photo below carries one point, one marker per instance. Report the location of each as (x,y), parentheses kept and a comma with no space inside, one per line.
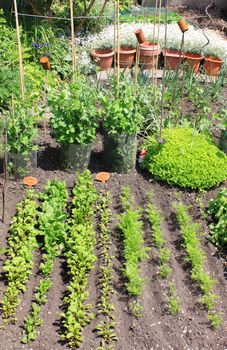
(45,101)
(118,49)
(137,63)
(5,162)
(164,70)
(156,63)
(153,40)
(19,51)
(115,27)
(73,41)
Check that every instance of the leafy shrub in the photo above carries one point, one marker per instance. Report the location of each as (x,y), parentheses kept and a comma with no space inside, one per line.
(8,47)
(121,115)
(218,209)
(186,159)
(74,118)
(22,130)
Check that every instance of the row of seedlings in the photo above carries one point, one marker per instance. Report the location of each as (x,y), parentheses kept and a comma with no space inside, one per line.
(134,251)
(164,254)
(106,328)
(196,257)
(52,230)
(20,255)
(80,259)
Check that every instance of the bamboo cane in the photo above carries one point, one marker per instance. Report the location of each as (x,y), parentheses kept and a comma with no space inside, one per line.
(73,41)
(154,28)
(115,26)
(19,51)
(137,63)
(118,49)
(164,70)
(159,21)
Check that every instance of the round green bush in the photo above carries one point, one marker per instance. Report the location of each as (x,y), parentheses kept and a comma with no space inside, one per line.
(187,159)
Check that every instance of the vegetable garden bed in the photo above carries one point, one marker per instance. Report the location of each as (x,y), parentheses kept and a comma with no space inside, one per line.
(134,262)
(141,322)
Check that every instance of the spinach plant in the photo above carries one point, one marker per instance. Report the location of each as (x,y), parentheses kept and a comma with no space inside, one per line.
(53,228)
(19,263)
(106,327)
(80,258)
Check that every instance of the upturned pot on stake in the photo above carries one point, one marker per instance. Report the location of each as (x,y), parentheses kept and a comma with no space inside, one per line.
(127,55)
(140,36)
(183,25)
(103,58)
(45,63)
(212,65)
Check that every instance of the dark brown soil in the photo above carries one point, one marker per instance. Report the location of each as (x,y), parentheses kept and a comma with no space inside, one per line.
(198,17)
(156,328)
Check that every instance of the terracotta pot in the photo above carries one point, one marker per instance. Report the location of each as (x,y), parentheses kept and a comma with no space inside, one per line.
(193,60)
(149,55)
(183,25)
(172,59)
(140,36)
(45,63)
(212,65)
(127,55)
(103,58)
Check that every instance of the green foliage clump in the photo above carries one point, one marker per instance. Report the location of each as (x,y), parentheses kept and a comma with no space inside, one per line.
(187,159)
(218,210)
(22,129)
(121,112)
(9,48)
(74,118)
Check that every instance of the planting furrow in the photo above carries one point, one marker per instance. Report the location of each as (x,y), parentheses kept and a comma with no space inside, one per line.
(52,229)
(20,255)
(197,259)
(164,254)
(106,328)
(80,258)
(130,225)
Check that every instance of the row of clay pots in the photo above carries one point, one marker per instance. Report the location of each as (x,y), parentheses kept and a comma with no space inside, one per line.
(173,58)
(149,56)
(149,53)
(104,57)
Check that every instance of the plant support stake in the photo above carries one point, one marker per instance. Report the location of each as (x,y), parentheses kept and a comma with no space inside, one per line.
(19,51)
(73,40)
(118,49)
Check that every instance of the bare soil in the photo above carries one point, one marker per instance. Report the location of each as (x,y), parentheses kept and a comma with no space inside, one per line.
(156,328)
(198,17)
